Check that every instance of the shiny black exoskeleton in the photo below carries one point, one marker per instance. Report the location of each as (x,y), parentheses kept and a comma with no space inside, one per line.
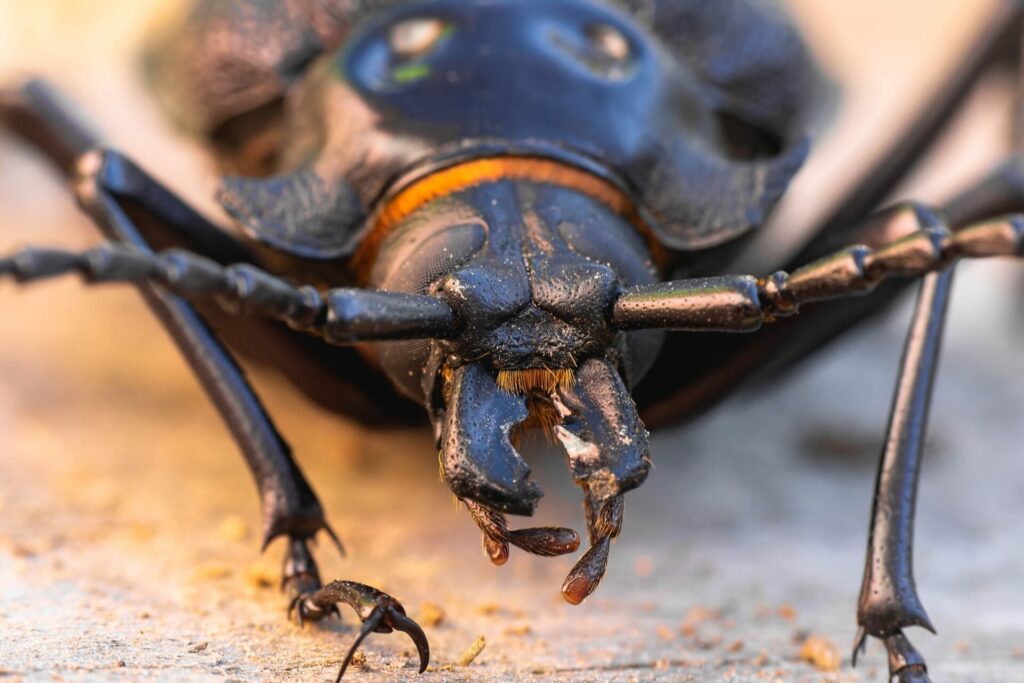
(572,80)
(530,269)
(489,200)
(532,280)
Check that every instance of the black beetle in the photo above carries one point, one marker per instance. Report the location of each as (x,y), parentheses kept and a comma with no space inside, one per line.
(487,198)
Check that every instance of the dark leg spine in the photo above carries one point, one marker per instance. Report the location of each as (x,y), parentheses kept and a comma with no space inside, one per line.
(888,597)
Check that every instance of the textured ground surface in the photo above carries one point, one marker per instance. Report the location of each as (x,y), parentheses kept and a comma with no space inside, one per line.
(127,521)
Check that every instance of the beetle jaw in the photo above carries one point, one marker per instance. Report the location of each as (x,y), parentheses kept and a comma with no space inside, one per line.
(478,460)
(588,411)
(601,432)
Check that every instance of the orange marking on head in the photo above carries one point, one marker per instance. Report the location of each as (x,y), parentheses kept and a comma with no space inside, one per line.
(469,174)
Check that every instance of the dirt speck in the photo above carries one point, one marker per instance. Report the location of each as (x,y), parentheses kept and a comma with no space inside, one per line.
(695,617)
(472,652)
(359,661)
(821,652)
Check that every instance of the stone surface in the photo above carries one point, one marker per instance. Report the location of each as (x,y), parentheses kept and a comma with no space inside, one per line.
(128,543)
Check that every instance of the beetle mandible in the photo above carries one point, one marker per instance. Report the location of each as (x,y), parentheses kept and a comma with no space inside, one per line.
(502,206)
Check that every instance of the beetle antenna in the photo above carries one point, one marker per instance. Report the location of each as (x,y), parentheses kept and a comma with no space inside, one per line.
(342,316)
(742,303)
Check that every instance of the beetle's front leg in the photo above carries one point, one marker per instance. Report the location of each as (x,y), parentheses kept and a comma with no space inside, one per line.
(106,184)
(312,601)
(290,507)
(300,579)
(378,611)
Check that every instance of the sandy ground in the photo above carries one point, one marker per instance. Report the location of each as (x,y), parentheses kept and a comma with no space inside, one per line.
(127,520)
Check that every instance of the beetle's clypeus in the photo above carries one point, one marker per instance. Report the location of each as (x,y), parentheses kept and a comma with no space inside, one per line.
(496,209)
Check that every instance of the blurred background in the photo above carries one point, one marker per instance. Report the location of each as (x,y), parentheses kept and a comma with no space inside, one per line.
(128,525)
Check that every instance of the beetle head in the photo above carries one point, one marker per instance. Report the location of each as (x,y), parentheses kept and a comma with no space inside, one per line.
(531,271)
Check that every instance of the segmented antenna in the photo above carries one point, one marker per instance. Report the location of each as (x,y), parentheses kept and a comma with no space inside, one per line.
(342,316)
(742,303)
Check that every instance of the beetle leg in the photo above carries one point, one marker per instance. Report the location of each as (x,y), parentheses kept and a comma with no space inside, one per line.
(888,600)
(290,506)
(379,612)
(101,180)
(997,43)
(888,597)
(300,578)
(677,389)
(905,661)
(332,377)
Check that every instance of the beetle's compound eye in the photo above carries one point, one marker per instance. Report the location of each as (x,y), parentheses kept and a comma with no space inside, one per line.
(604,49)
(609,42)
(416,37)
